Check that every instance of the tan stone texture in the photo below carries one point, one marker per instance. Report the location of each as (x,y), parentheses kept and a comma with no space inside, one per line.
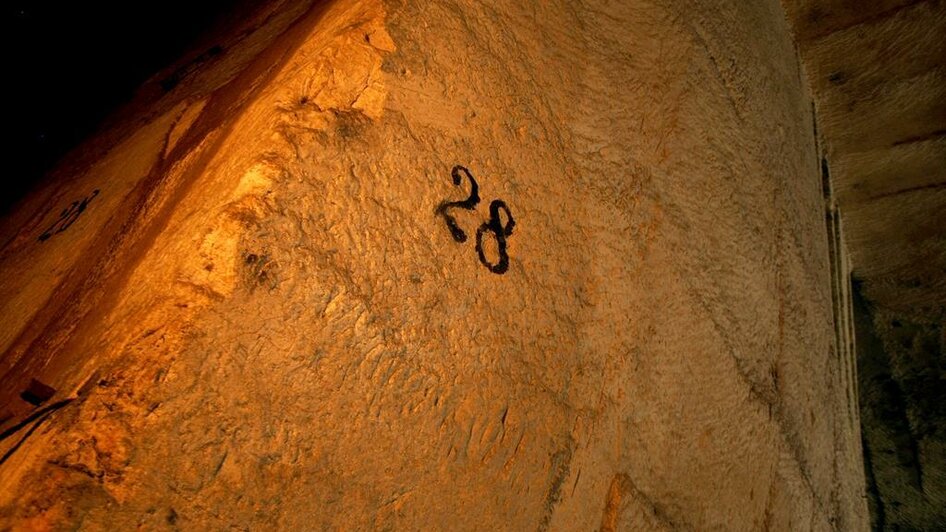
(878,76)
(266,326)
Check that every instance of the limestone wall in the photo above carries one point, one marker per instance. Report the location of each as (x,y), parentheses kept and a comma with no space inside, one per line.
(878,77)
(268,323)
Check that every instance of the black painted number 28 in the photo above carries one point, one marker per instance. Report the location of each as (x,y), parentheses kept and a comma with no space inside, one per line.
(494,225)
(67,217)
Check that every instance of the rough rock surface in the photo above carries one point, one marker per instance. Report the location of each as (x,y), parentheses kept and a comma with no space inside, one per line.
(266,325)
(878,76)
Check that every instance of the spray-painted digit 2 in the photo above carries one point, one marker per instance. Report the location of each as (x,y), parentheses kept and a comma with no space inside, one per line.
(467,204)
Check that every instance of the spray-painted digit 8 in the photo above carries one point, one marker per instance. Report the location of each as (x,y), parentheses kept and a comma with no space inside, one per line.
(495,226)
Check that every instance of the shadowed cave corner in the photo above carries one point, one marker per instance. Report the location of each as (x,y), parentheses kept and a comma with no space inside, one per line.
(903,416)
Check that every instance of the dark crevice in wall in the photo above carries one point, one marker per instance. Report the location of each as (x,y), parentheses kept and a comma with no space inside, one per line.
(932,135)
(932,186)
(825,178)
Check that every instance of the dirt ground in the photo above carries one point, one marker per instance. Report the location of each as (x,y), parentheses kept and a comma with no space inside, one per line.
(266,321)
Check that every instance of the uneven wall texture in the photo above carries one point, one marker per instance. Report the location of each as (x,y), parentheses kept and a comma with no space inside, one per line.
(266,325)
(878,74)
(904,418)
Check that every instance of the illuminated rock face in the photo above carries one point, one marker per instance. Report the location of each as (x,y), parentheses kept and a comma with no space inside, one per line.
(272,316)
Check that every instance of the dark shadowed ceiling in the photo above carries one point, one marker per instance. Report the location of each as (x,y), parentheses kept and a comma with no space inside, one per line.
(68,64)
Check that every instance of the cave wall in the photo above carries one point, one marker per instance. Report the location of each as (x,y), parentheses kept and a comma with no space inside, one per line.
(878,77)
(263,321)
(903,407)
